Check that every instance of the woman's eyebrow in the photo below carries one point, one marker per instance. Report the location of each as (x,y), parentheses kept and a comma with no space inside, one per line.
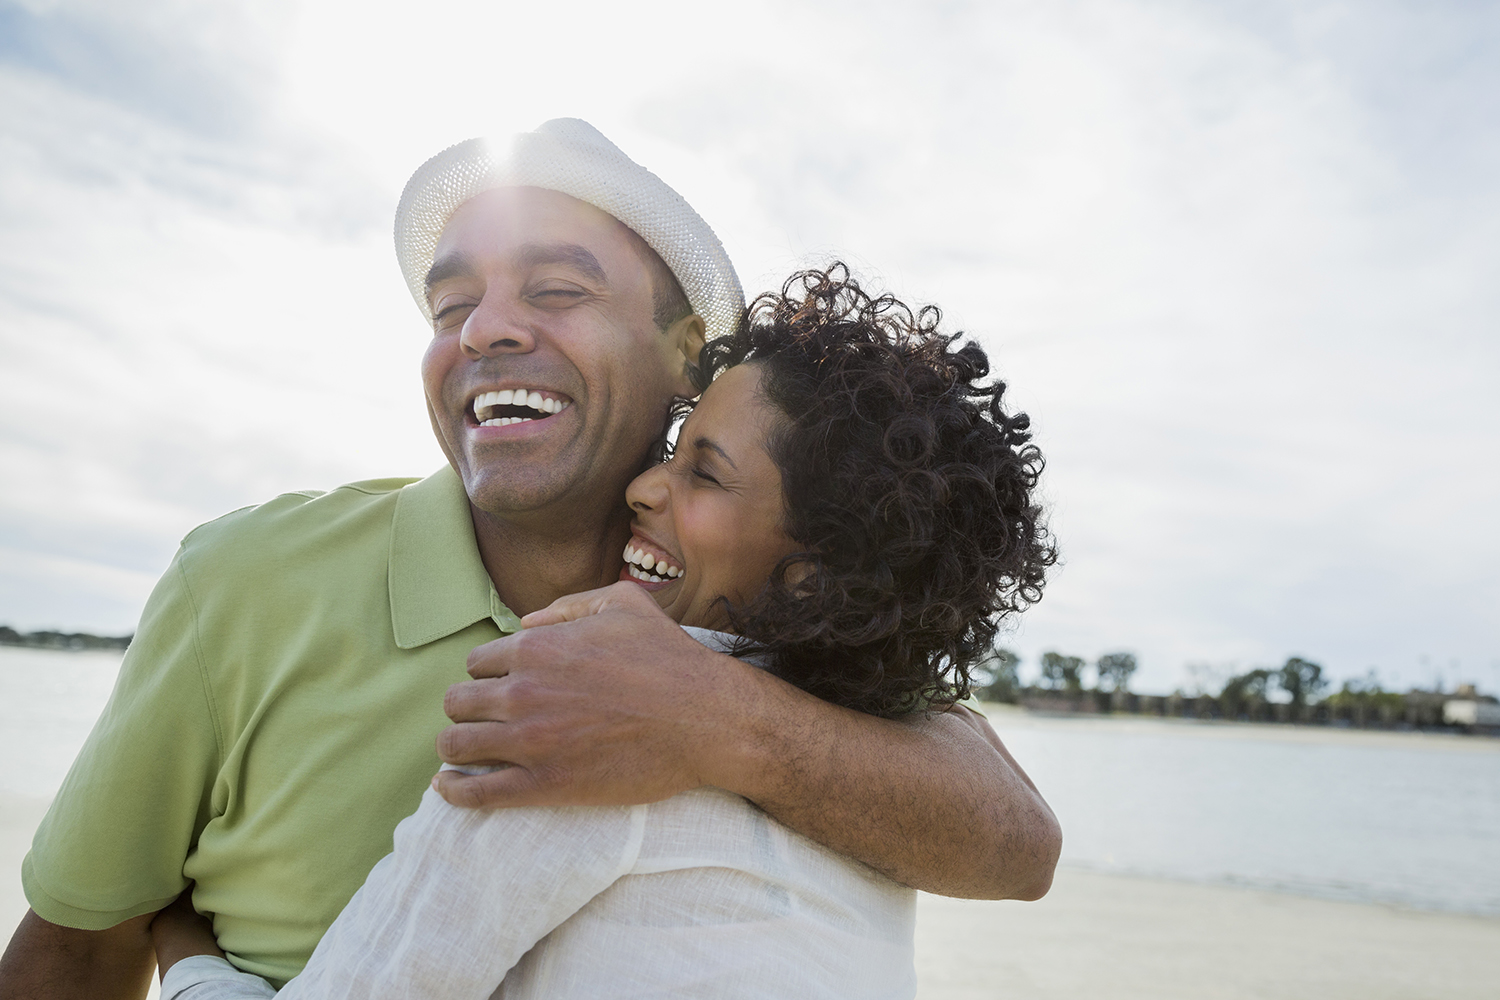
(704,442)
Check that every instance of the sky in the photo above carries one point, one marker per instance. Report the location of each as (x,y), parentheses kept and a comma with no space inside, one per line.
(1237,260)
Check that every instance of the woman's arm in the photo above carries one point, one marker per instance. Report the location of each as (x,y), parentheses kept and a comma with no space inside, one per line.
(211,977)
(191,964)
(179,931)
(461,898)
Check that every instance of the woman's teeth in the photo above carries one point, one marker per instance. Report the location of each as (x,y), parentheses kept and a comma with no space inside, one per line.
(649,568)
(518,401)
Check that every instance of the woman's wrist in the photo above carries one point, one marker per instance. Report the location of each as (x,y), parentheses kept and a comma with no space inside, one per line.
(179,932)
(207,977)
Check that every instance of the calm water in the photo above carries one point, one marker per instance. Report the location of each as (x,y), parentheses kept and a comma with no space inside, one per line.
(1397,818)
(48,704)
(1407,820)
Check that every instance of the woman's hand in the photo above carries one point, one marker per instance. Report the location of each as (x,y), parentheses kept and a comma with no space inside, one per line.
(179,932)
(572,607)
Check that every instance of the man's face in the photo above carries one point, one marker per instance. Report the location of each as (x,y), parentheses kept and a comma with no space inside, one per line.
(541,298)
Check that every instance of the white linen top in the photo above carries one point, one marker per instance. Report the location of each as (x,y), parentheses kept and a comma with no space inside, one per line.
(700,895)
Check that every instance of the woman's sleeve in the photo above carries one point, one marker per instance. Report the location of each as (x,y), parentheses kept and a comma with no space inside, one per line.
(464,895)
(209,977)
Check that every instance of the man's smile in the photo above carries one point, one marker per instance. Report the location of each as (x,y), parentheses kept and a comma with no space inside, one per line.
(503,407)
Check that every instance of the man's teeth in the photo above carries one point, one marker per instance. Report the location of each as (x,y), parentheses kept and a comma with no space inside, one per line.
(648,568)
(544,406)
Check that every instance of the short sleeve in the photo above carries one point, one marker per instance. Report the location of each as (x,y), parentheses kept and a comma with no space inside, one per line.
(112,845)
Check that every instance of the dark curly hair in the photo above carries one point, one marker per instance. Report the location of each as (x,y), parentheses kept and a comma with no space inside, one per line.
(908,485)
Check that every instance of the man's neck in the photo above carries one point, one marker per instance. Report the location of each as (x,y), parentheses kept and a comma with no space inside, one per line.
(534,565)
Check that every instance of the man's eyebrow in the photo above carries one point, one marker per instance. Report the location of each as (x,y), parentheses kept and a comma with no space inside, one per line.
(706,443)
(453,265)
(580,258)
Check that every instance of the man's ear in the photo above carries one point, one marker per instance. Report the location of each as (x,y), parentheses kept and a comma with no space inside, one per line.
(687,337)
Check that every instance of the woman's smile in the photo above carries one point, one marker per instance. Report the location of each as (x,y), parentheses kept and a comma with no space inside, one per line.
(708,522)
(646,563)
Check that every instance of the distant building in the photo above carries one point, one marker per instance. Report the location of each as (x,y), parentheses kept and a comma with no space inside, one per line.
(1471,712)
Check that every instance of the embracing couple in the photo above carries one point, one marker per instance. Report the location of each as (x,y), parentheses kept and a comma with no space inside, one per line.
(708,743)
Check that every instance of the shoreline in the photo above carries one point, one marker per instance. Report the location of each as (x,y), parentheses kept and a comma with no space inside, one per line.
(1275,888)
(1002,716)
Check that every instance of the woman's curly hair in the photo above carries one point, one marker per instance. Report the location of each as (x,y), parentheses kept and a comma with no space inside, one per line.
(906,482)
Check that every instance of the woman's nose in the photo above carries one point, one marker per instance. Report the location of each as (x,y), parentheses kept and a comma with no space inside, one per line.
(648,491)
(491,329)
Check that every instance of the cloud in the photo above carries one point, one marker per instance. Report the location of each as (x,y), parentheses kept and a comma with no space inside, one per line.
(1247,321)
(179,63)
(154,290)
(1235,259)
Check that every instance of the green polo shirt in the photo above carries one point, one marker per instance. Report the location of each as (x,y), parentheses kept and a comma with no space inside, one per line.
(274,718)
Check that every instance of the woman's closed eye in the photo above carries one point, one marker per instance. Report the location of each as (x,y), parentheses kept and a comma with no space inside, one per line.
(707,457)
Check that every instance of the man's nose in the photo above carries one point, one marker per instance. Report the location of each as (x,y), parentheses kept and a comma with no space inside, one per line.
(492,329)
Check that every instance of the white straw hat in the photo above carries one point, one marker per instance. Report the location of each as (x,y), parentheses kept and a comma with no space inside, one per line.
(571,156)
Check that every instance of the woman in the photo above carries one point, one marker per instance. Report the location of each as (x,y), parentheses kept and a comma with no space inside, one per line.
(849,507)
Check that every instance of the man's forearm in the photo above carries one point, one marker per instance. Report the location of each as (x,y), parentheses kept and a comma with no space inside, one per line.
(603,700)
(48,962)
(934,802)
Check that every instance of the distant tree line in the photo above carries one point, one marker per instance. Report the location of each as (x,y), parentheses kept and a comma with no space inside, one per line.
(1246,697)
(61,640)
(996,676)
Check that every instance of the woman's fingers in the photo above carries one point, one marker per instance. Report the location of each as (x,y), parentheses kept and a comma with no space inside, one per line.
(510,786)
(590,602)
(570,608)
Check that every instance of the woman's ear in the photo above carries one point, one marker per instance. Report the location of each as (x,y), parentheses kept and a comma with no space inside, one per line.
(687,336)
(798,576)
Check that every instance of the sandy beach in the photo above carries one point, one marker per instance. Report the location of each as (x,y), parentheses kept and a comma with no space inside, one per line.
(1112,936)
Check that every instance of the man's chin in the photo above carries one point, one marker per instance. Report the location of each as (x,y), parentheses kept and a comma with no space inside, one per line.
(510,492)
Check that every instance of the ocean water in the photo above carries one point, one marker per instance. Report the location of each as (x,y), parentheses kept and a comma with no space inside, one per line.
(1401,818)
(1410,820)
(48,703)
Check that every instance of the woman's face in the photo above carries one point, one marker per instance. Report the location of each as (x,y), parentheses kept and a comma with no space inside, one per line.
(708,522)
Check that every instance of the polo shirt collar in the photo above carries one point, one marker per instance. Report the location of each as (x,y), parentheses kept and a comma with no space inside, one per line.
(438,583)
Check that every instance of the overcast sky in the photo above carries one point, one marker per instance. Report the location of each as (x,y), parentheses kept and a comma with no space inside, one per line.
(1238,260)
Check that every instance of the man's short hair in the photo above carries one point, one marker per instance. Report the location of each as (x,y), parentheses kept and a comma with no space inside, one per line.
(669,303)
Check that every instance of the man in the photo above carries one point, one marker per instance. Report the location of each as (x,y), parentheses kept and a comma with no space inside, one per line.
(275,717)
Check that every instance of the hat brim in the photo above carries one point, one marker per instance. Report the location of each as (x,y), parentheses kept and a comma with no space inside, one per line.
(570,156)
